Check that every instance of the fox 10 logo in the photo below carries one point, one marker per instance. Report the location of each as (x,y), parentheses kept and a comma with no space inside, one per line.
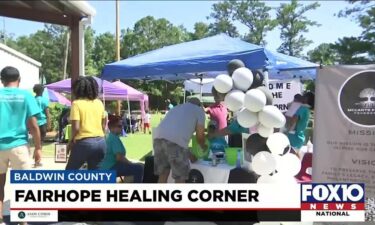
(330,202)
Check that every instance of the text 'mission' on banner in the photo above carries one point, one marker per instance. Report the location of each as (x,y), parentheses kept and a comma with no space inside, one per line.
(344,132)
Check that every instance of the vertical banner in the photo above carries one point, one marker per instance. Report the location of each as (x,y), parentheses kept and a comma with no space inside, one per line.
(283,92)
(344,134)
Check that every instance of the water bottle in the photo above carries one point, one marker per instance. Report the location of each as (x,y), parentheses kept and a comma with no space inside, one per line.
(309,146)
(214,160)
(239,158)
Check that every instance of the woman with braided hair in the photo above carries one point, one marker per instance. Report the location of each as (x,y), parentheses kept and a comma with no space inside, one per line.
(88,123)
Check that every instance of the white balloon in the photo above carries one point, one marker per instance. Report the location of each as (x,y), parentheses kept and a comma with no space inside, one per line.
(246,118)
(271,116)
(223,83)
(263,163)
(276,179)
(266,179)
(242,78)
(285,179)
(277,142)
(264,131)
(255,100)
(288,165)
(234,100)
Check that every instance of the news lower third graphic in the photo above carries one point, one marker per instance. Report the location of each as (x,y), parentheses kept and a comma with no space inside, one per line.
(332,202)
(66,196)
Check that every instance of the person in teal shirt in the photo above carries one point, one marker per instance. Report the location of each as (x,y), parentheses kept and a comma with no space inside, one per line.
(43,119)
(301,119)
(115,157)
(18,109)
(217,144)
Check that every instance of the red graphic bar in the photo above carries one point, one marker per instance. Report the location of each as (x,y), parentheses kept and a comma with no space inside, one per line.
(332,206)
(160,209)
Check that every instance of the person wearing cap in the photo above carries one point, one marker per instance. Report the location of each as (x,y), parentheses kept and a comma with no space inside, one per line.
(43,119)
(172,139)
(18,111)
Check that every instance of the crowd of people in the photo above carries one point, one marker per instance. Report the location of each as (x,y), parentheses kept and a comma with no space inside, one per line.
(171,150)
(22,113)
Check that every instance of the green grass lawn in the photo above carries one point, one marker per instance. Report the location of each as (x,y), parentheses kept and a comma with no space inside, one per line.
(137,145)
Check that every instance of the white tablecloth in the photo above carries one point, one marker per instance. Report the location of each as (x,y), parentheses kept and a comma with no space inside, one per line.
(211,174)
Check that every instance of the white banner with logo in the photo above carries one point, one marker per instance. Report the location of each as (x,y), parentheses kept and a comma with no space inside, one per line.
(344,133)
(283,92)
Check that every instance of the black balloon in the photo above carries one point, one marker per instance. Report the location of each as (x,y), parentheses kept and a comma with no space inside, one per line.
(256,143)
(233,65)
(258,79)
(195,176)
(268,94)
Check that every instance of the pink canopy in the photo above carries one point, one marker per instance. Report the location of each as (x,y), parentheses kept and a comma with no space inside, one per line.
(132,95)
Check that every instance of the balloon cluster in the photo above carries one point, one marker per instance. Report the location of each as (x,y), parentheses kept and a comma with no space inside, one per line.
(252,103)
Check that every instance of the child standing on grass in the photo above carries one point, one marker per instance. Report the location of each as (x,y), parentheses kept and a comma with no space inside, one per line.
(147,122)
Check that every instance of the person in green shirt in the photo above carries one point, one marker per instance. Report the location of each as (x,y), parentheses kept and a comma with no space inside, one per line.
(18,110)
(43,119)
(115,157)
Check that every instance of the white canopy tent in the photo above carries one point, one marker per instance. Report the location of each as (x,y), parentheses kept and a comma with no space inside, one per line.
(198,86)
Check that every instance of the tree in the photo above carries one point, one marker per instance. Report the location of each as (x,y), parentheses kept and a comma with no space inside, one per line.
(364,13)
(104,50)
(46,46)
(201,30)
(357,8)
(324,54)
(177,94)
(256,16)
(367,22)
(222,16)
(352,50)
(8,39)
(293,24)
(149,34)
(90,68)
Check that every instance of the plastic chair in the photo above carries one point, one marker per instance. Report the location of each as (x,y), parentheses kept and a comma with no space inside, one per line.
(303,176)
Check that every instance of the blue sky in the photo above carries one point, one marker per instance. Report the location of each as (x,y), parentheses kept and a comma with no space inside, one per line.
(186,13)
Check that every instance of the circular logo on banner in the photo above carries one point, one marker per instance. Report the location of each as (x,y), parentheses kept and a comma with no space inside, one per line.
(357,98)
(22,215)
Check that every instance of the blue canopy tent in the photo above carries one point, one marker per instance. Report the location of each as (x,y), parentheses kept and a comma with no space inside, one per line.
(208,54)
(207,57)
(281,66)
